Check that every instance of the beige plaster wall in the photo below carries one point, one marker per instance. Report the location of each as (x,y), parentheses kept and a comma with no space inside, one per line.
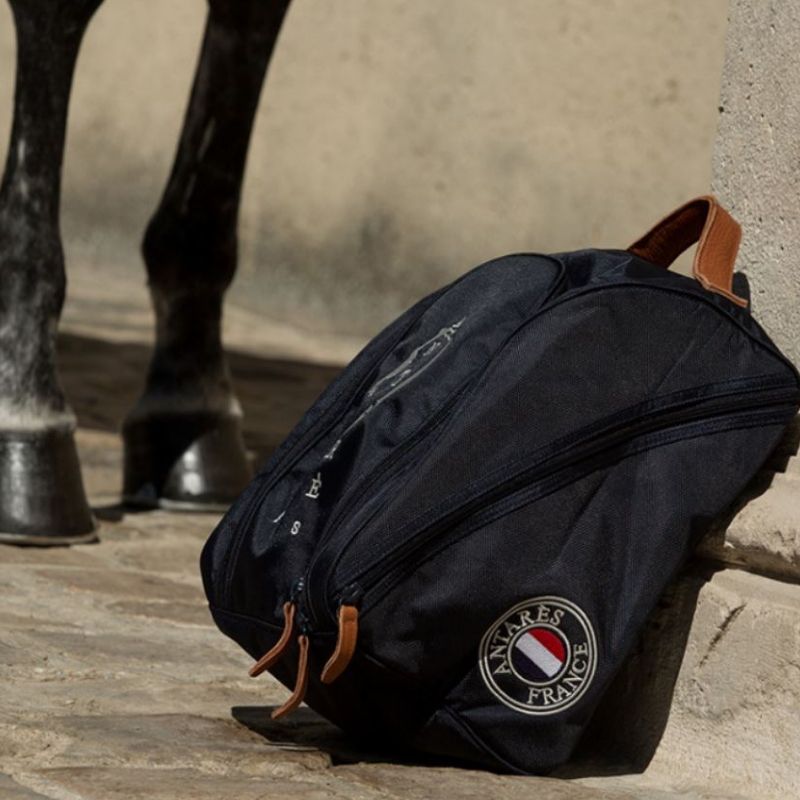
(757,158)
(399,142)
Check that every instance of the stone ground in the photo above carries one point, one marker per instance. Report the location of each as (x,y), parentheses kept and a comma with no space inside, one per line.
(117,685)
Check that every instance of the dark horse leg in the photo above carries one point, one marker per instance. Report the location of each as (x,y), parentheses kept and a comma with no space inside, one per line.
(42,500)
(183,444)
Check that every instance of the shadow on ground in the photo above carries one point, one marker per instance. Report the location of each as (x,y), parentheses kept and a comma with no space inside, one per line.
(307,730)
(103,379)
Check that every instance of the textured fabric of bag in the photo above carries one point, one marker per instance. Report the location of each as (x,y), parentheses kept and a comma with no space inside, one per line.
(503,483)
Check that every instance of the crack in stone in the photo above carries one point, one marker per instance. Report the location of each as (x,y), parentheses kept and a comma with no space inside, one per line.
(732,616)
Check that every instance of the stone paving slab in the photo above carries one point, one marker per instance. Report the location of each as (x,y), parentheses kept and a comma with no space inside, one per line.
(11,790)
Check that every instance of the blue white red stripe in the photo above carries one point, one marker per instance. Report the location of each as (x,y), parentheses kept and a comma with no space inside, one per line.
(544,649)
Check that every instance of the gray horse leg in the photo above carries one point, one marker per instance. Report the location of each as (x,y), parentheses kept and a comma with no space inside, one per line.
(42,500)
(183,444)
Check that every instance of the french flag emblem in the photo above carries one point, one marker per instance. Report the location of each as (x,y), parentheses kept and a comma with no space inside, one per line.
(539,654)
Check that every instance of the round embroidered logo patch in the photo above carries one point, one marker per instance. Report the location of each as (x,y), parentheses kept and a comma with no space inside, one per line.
(539,657)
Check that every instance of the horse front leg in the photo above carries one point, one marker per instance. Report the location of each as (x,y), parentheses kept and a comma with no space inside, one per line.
(183,443)
(42,500)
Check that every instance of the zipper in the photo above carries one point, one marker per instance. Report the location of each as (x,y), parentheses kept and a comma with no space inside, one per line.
(350,599)
(353,500)
(312,437)
(387,578)
(555,468)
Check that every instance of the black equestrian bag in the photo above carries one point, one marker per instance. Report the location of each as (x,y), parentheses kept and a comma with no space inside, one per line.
(456,547)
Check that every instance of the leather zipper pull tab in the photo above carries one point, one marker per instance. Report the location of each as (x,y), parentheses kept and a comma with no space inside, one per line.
(301,684)
(345,644)
(274,653)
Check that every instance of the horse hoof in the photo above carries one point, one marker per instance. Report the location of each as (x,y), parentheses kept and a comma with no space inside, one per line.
(42,500)
(190,461)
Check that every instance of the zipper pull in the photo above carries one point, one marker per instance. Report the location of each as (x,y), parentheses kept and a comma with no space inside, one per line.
(347,637)
(300,685)
(274,653)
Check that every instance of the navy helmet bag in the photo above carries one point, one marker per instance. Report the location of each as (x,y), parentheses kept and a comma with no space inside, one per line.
(457,545)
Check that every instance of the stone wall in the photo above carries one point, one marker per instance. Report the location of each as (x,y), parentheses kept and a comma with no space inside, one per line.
(757,157)
(399,142)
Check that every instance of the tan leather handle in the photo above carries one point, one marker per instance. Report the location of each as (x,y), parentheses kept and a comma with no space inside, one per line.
(701,220)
